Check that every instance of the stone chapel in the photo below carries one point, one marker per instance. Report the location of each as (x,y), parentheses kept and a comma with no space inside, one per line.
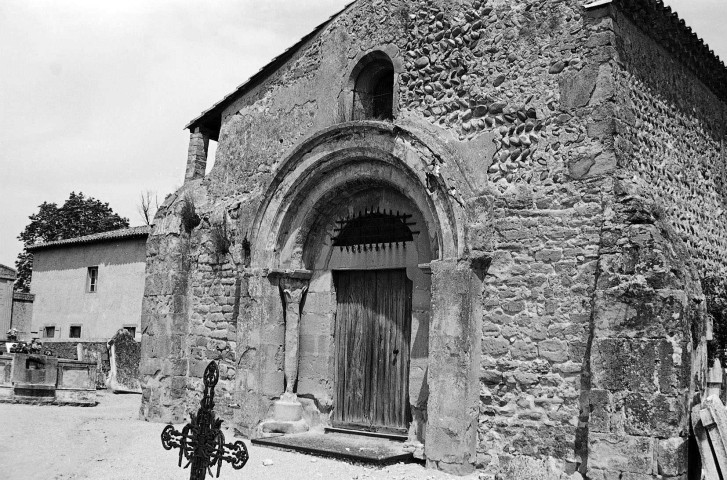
(495,228)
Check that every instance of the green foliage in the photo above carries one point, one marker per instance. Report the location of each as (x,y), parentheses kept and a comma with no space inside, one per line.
(78,216)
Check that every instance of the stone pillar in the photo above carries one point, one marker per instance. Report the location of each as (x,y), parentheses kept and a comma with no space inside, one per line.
(165,327)
(197,155)
(293,292)
(454,358)
(288,411)
(646,301)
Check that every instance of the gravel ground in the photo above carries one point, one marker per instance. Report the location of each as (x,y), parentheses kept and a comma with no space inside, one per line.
(109,442)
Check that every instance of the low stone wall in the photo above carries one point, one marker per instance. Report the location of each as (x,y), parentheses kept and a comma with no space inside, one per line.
(41,379)
(94,352)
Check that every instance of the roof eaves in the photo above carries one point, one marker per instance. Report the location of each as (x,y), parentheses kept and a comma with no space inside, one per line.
(679,39)
(121,234)
(211,119)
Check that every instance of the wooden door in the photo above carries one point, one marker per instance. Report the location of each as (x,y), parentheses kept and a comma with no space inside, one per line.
(373,327)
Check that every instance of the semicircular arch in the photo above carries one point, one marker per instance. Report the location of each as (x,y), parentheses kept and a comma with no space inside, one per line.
(348,158)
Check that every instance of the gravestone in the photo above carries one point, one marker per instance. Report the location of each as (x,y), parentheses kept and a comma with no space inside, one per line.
(124,356)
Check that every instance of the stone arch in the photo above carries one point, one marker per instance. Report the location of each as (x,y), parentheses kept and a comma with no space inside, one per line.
(361,74)
(363,152)
(372,86)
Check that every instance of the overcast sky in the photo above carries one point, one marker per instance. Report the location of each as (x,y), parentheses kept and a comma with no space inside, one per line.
(94,95)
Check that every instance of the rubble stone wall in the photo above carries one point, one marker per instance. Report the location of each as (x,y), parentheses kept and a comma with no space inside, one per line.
(528,105)
(665,233)
(671,137)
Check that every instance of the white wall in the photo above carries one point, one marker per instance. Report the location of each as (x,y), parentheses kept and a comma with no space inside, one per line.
(60,285)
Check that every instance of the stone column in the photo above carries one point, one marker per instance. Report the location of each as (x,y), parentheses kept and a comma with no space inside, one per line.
(293,292)
(288,411)
(197,155)
(454,361)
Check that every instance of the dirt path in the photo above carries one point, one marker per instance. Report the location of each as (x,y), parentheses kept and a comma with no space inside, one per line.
(109,442)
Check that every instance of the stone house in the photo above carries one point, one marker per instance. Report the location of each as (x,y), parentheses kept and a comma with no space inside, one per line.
(87,288)
(484,225)
(16,308)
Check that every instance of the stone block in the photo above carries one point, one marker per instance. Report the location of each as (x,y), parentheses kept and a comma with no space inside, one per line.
(654,414)
(651,315)
(621,453)
(637,476)
(523,467)
(672,456)
(576,88)
(523,350)
(553,350)
(638,365)
(601,405)
(495,346)
(309,345)
(272,383)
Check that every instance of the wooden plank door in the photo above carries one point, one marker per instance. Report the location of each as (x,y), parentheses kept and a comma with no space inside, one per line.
(373,328)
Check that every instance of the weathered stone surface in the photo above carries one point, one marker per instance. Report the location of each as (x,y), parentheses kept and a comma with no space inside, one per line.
(616,453)
(540,139)
(125,359)
(672,456)
(577,88)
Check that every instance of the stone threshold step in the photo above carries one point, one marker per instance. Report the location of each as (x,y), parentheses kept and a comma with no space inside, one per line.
(389,436)
(343,446)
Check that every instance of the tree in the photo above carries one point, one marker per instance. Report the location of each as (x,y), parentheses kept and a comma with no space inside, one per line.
(148,206)
(78,216)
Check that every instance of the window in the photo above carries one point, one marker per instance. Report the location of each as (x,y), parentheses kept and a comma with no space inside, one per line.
(49,332)
(75,331)
(92,281)
(132,331)
(373,88)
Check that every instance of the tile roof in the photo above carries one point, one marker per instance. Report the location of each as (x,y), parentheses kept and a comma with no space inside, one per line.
(662,24)
(122,234)
(6,272)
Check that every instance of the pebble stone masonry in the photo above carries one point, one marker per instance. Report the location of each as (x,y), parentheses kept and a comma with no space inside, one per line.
(566,167)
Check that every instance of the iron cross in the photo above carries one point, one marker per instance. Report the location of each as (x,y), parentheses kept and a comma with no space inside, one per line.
(201,441)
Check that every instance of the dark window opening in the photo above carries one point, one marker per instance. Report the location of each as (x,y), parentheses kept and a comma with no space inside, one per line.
(92,285)
(34,364)
(374,92)
(131,330)
(375,229)
(75,332)
(49,332)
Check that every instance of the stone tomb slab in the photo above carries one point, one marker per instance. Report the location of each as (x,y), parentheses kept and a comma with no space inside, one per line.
(359,448)
(125,357)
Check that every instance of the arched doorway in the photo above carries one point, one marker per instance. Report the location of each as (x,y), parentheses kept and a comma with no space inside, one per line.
(320,188)
(364,252)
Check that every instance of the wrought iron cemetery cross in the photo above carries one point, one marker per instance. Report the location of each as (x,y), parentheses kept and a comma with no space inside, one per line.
(201,441)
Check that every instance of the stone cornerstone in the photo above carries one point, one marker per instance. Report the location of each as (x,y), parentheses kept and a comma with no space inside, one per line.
(481,225)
